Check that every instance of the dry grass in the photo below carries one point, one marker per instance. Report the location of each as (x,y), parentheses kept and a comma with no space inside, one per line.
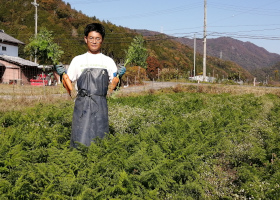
(207,88)
(16,97)
(30,90)
(233,89)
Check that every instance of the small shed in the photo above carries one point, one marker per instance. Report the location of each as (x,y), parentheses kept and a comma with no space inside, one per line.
(17,70)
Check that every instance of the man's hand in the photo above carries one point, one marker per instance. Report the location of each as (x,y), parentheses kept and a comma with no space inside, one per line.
(121,71)
(59,69)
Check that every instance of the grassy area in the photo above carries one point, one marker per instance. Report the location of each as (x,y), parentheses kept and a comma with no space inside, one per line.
(17,97)
(186,142)
(207,88)
(6,89)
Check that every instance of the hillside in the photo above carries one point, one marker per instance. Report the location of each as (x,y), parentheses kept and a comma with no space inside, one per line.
(251,57)
(273,72)
(67,25)
(170,52)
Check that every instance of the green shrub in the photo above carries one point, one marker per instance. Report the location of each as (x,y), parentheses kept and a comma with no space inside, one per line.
(167,146)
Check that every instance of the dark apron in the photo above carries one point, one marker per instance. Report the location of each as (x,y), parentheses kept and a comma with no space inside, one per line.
(90,116)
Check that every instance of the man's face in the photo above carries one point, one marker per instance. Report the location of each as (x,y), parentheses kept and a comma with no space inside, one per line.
(94,42)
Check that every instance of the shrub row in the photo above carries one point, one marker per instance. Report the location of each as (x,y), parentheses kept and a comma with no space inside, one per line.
(167,146)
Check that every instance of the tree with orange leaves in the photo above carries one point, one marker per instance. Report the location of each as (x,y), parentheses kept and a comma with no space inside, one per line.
(153,68)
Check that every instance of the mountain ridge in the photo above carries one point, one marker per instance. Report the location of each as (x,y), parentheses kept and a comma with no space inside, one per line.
(251,57)
(257,60)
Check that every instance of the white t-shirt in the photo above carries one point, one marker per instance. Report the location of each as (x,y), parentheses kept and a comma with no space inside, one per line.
(88,60)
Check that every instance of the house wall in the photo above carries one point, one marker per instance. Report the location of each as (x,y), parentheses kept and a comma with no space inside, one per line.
(13,74)
(11,50)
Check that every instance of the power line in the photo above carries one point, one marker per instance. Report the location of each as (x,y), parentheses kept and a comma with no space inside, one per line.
(259,30)
(239,34)
(245,25)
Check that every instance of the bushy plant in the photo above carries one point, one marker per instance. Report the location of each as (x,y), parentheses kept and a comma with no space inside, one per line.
(160,146)
(134,75)
(168,74)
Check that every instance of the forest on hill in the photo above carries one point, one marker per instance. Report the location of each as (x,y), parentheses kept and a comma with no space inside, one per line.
(67,26)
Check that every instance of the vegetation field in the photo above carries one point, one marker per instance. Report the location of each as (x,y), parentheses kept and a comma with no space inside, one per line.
(187,142)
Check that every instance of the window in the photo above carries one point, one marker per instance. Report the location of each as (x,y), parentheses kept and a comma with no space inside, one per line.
(4,48)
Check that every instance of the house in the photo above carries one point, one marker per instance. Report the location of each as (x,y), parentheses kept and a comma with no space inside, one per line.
(14,69)
(8,44)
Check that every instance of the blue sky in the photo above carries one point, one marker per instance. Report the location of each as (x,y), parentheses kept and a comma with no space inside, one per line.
(256,21)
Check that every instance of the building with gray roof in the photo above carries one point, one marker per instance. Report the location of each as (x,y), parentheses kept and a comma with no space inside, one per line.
(14,69)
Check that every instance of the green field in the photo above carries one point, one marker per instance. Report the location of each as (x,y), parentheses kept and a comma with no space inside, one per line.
(181,143)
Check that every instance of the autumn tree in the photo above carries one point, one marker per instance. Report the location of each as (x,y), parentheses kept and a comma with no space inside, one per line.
(276,74)
(134,75)
(153,67)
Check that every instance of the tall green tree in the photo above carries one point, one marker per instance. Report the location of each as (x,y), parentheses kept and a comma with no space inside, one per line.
(137,53)
(44,48)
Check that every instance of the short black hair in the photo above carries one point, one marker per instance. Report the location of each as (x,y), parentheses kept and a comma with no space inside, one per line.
(99,28)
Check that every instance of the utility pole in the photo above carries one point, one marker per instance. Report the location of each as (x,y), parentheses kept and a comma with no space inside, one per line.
(204,41)
(36,19)
(194,55)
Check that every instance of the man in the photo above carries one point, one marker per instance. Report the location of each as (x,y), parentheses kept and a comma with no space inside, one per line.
(93,71)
